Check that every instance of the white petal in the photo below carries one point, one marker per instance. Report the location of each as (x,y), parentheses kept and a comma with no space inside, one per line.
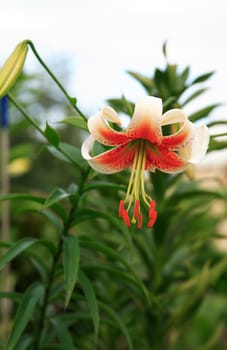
(199,144)
(174,116)
(86,147)
(109,113)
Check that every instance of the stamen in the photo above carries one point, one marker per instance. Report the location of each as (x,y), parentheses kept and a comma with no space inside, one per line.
(152,220)
(136,209)
(152,208)
(126,218)
(140,221)
(121,208)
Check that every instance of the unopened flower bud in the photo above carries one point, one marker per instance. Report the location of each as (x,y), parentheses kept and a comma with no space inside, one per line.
(13,67)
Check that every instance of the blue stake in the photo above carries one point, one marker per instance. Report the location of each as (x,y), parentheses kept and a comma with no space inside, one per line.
(4,112)
(5,305)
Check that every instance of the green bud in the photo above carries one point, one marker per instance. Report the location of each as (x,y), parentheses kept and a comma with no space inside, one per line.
(13,67)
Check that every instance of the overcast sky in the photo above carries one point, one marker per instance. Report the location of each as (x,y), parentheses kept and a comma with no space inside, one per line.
(104,38)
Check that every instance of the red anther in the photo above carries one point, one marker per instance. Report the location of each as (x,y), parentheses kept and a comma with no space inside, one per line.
(152,208)
(126,218)
(121,208)
(136,209)
(140,221)
(152,220)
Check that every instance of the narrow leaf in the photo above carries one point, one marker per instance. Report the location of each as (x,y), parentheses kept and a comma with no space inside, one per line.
(202,78)
(19,196)
(194,95)
(120,105)
(217,122)
(77,121)
(203,113)
(71,259)
(52,135)
(69,154)
(119,322)
(16,250)
(24,343)
(91,299)
(147,83)
(24,312)
(55,196)
(184,76)
(64,336)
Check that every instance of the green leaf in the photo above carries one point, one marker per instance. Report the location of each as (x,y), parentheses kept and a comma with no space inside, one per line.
(77,121)
(55,196)
(121,105)
(97,246)
(52,135)
(19,196)
(161,81)
(69,154)
(147,83)
(203,113)
(96,185)
(24,313)
(122,277)
(216,145)
(171,71)
(113,254)
(54,219)
(119,322)
(24,343)
(217,122)
(71,260)
(91,299)
(16,250)
(183,77)
(164,49)
(194,95)
(202,78)
(64,336)
(16,297)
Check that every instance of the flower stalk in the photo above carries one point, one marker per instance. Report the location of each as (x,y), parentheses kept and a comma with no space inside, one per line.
(72,100)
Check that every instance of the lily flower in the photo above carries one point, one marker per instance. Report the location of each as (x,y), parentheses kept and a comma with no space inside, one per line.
(168,142)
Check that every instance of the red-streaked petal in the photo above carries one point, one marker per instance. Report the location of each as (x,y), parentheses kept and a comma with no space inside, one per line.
(182,136)
(145,123)
(101,130)
(164,160)
(109,162)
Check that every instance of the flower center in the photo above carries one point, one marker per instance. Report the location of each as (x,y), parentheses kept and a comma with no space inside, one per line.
(136,191)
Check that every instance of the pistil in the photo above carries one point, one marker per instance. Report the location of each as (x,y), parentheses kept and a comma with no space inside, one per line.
(136,191)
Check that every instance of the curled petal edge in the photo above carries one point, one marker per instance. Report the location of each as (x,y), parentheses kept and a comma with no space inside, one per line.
(111,161)
(101,130)
(199,144)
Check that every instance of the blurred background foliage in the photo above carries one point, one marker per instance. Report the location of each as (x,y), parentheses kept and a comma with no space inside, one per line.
(163,288)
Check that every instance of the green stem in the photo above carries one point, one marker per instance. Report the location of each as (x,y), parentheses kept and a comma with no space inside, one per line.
(72,100)
(65,232)
(44,306)
(37,127)
(25,114)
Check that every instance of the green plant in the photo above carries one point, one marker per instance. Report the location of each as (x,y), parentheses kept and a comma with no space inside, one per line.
(95,283)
